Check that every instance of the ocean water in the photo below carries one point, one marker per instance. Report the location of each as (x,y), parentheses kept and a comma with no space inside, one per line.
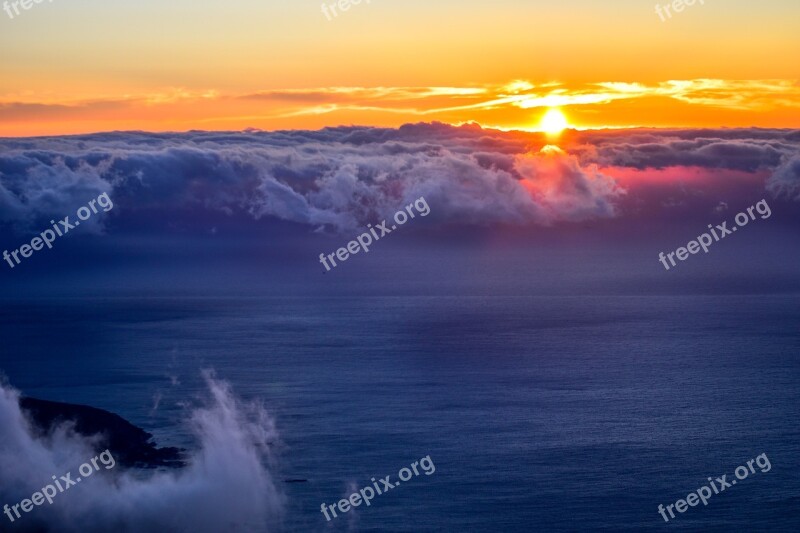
(540,412)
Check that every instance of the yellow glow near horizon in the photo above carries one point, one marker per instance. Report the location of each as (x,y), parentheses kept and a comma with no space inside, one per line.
(553,122)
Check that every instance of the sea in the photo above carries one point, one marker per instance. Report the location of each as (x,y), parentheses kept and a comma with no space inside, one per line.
(561,386)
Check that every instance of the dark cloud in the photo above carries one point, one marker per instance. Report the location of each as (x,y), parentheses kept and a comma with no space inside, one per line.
(14,111)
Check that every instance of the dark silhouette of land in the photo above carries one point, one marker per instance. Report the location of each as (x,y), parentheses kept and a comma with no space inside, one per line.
(132,447)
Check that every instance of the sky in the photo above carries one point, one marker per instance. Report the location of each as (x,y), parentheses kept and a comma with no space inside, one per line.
(80,66)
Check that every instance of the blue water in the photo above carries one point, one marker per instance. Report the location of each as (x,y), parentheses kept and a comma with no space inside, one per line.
(540,413)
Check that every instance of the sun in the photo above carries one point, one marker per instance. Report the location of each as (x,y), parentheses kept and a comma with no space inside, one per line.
(553,122)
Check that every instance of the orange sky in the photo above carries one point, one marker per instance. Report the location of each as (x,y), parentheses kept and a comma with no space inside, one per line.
(79,66)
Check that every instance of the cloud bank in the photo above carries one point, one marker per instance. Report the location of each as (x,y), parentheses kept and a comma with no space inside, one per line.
(340,179)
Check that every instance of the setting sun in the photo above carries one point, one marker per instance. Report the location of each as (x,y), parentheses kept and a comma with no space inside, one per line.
(553,122)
